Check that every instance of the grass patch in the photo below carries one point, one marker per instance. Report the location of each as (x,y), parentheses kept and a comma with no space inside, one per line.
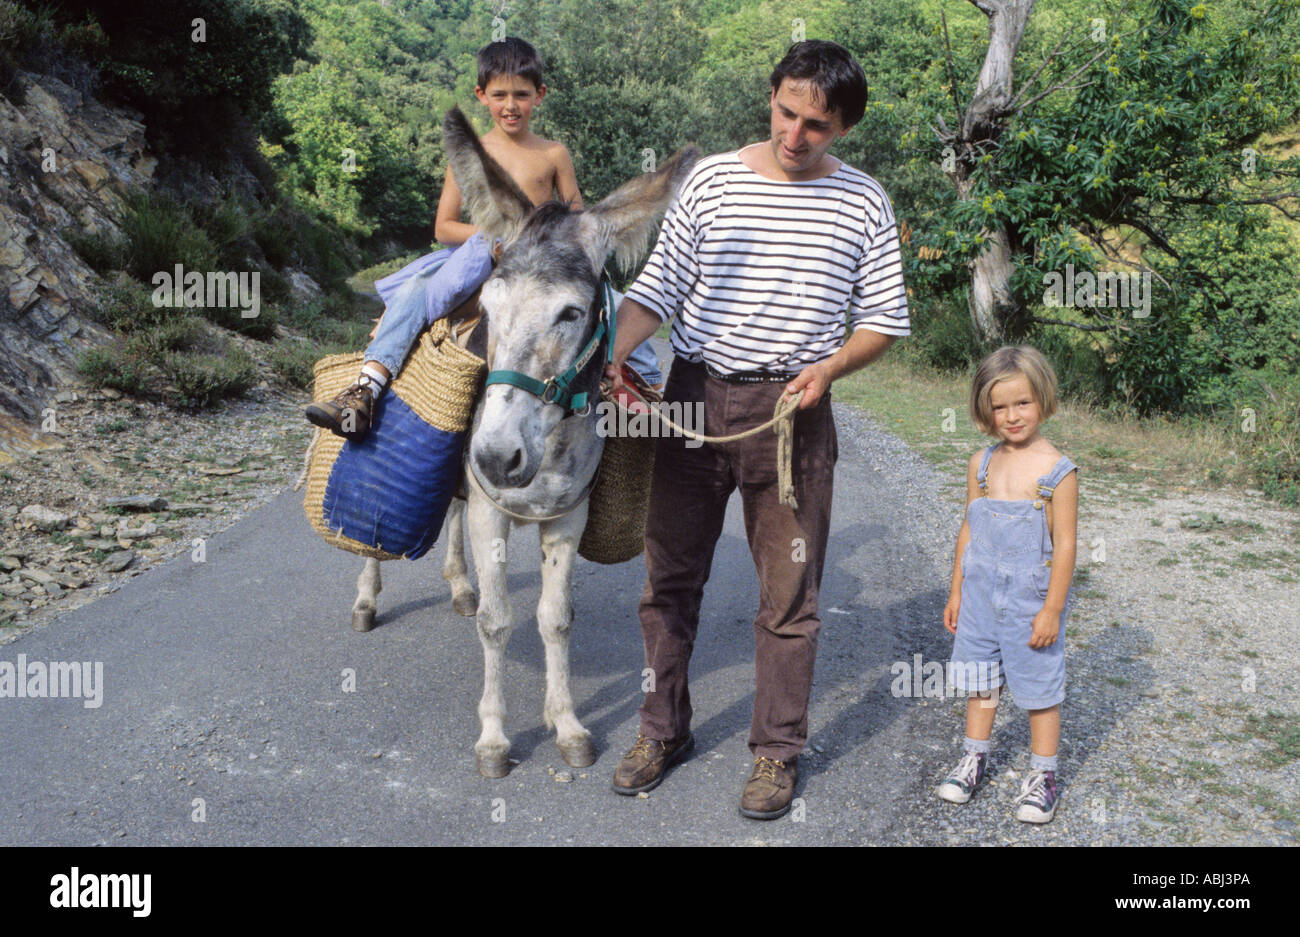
(1282,730)
(119,425)
(1273,559)
(911,399)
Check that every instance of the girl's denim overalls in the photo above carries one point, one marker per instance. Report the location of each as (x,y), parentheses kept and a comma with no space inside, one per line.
(1005,572)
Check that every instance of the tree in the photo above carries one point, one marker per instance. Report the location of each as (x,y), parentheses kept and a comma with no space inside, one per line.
(1154,137)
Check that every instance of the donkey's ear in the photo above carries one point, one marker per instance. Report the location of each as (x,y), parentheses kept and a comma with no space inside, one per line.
(489,196)
(625,222)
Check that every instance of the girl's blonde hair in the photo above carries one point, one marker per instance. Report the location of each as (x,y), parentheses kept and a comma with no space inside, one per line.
(1005,363)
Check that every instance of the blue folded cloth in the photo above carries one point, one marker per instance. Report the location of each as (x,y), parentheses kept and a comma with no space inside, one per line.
(463,270)
(459,272)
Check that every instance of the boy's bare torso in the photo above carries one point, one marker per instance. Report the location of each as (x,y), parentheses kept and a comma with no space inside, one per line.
(532,163)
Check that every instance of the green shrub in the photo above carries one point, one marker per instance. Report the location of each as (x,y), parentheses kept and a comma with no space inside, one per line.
(335,320)
(294,361)
(119,366)
(102,251)
(942,334)
(126,306)
(161,234)
(204,379)
(22,32)
(1078,364)
(228,224)
(1206,347)
(187,333)
(275,234)
(1275,453)
(261,327)
(275,286)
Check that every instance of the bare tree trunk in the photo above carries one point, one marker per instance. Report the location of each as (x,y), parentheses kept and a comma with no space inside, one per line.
(992,301)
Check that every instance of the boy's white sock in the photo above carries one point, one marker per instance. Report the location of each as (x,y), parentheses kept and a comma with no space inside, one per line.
(376,377)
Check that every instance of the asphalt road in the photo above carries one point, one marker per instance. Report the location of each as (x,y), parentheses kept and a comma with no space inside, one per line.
(225,720)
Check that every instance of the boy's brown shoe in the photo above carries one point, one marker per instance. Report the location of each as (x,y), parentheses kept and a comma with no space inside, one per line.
(770,789)
(646,763)
(348,414)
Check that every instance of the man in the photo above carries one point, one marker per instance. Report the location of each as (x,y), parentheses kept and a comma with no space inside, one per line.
(759,259)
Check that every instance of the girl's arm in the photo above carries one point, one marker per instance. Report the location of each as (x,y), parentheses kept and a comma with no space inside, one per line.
(963,540)
(447,227)
(1065,523)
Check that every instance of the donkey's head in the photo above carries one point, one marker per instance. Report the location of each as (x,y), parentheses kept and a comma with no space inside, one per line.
(541,302)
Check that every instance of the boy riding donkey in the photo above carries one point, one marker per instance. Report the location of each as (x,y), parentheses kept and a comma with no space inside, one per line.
(510,86)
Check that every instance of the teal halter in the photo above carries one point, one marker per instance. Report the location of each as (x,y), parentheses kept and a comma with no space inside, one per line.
(559,389)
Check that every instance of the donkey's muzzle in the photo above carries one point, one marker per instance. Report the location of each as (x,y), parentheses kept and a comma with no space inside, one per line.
(502,464)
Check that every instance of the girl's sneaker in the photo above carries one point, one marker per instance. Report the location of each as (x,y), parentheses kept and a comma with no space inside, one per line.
(1037,800)
(959,785)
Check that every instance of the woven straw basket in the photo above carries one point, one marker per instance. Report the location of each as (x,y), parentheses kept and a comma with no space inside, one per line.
(620,498)
(432,402)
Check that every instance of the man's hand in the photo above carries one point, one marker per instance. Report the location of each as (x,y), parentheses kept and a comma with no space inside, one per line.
(814,381)
(863,347)
(636,323)
(614,374)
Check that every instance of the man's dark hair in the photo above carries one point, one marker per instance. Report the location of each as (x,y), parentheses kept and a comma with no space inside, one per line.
(511,56)
(839,86)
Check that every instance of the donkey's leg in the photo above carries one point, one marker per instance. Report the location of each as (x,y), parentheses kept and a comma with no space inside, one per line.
(554,621)
(454,569)
(488,531)
(368,588)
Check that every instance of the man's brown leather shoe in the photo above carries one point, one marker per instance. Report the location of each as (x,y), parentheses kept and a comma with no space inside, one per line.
(348,414)
(646,763)
(770,789)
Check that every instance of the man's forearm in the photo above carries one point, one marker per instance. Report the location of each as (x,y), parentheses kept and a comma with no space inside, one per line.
(863,347)
(636,323)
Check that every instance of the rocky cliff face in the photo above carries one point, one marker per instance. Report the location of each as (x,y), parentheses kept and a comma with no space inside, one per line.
(65,163)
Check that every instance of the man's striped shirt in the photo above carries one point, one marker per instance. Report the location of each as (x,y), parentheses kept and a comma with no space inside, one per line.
(763,272)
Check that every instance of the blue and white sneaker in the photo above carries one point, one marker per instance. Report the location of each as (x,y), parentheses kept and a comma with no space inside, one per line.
(1037,800)
(958,786)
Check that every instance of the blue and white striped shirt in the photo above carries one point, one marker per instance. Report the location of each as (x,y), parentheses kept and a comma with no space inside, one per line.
(763,272)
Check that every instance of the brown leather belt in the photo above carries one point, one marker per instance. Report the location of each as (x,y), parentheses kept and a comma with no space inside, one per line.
(750,377)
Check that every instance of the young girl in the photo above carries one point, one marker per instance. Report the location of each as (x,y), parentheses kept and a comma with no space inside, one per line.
(1011,575)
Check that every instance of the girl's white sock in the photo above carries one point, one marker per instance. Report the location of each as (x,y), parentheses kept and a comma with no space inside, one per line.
(978,746)
(1042,762)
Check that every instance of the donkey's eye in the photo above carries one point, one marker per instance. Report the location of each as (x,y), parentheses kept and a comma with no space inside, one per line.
(569,314)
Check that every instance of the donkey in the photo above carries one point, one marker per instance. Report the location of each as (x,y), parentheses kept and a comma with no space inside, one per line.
(529,459)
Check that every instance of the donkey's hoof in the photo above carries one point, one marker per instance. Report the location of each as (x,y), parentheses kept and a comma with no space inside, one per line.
(465,604)
(363,619)
(577,753)
(493,764)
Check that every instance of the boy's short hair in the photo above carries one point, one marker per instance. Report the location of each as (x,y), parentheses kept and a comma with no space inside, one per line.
(839,85)
(1009,362)
(510,56)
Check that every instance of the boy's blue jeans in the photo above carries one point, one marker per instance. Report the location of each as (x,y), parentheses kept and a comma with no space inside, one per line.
(429,288)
